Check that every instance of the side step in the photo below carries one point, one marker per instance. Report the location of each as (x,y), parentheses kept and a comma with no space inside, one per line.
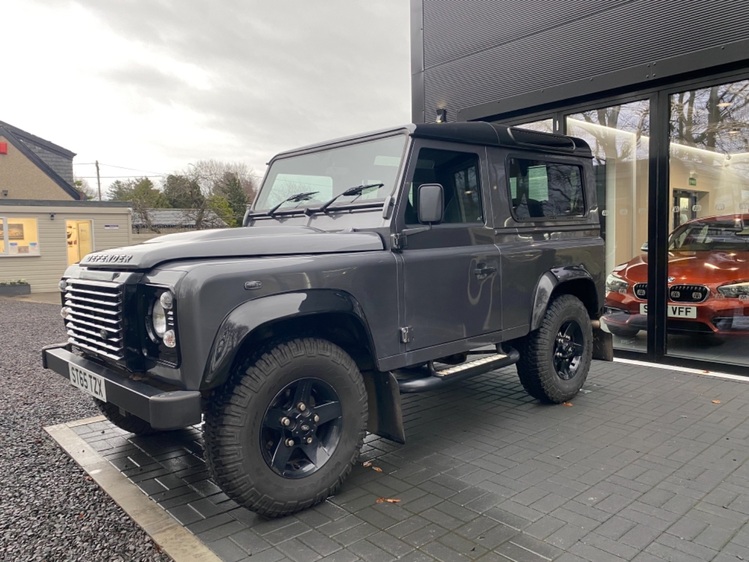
(428,378)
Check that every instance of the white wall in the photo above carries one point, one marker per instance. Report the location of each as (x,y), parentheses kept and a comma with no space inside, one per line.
(111,229)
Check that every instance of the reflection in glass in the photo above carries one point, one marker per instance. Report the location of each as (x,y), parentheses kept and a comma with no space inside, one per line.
(709,249)
(545,190)
(544,125)
(619,137)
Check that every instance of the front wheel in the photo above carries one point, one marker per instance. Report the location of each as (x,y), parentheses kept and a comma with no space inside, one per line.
(287,429)
(555,359)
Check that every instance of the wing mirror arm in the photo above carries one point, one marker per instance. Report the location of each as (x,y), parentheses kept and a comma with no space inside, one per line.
(430,210)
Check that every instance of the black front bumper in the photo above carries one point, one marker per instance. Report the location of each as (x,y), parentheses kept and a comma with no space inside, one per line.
(162,409)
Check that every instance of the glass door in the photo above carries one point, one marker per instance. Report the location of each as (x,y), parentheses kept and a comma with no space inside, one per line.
(619,137)
(707,313)
(79,238)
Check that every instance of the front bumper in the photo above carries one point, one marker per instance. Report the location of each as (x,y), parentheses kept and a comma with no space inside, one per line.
(173,409)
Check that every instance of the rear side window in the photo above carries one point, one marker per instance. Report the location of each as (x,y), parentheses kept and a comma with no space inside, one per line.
(540,189)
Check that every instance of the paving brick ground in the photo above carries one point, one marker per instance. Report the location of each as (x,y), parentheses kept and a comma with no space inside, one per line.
(645,465)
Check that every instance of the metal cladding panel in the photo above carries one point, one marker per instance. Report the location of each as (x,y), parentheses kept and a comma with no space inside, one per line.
(478,52)
(458,29)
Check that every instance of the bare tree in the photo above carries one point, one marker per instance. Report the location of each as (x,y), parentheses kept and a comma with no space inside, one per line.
(84,188)
(226,189)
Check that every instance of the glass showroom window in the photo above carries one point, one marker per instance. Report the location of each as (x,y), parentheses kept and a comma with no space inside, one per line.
(619,137)
(544,125)
(19,236)
(708,248)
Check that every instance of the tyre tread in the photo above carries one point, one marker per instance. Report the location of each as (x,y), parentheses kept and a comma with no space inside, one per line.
(533,367)
(223,424)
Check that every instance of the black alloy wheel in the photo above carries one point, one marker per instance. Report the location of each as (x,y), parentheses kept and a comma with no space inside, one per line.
(568,350)
(301,428)
(555,358)
(286,430)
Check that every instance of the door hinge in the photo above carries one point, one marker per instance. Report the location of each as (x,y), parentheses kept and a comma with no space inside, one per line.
(398,241)
(406,334)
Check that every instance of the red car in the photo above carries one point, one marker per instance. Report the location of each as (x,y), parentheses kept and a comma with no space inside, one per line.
(708,281)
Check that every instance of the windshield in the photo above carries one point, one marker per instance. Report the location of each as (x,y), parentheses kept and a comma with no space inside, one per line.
(710,235)
(320,176)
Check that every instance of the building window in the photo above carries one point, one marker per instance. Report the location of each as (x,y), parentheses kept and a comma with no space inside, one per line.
(19,237)
(544,125)
(619,138)
(707,314)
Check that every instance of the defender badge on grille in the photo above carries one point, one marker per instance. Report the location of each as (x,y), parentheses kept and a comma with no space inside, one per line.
(107,258)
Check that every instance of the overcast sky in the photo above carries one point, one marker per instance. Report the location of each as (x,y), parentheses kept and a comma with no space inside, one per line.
(154,85)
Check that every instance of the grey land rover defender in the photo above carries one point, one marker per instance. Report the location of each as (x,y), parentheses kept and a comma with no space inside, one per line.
(392,262)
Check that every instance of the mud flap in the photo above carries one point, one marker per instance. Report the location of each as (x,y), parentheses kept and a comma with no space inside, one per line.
(603,345)
(384,400)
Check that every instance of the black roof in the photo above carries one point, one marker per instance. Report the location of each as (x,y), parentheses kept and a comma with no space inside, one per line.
(23,140)
(472,132)
(492,134)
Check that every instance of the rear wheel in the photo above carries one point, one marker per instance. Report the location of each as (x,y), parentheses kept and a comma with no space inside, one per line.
(555,359)
(287,429)
(124,420)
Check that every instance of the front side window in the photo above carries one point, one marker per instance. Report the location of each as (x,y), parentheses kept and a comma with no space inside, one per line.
(541,189)
(458,174)
(19,236)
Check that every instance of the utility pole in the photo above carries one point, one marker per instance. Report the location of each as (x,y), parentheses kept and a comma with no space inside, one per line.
(98,179)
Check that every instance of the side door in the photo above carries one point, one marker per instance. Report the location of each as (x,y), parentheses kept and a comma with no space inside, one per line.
(451,275)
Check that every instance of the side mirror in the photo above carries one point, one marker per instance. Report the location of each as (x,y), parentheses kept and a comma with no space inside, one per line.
(431,205)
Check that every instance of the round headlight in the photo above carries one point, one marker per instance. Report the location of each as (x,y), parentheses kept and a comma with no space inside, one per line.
(170,338)
(158,319)
(167,300)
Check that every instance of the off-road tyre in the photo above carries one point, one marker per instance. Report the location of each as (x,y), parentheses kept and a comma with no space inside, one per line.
(124,420)
(245,433)
(555,358)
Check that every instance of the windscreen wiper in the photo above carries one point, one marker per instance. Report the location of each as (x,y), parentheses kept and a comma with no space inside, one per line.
(356,190)
(296,198)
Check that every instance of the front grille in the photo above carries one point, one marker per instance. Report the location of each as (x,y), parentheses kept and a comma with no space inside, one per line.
(688,293)
(94,317)
(676,293)
(641,291)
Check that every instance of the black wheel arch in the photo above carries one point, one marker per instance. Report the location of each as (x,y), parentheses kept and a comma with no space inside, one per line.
(325,313)
(571,280)
(272,408)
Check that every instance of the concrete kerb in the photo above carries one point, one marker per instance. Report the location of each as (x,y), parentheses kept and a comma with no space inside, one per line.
(170,535)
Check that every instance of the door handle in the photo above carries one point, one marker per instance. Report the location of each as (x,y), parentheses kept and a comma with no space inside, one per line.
(483,271)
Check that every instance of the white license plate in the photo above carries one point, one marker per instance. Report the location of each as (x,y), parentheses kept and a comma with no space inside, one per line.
(675,311)
(88,382)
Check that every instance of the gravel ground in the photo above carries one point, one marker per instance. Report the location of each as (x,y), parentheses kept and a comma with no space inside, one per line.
(49,508)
